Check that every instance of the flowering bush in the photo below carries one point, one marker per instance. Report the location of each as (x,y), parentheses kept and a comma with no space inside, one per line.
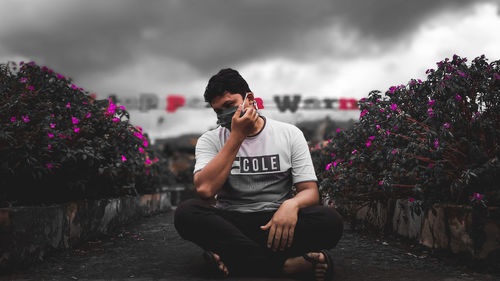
(58,143)
(435,140)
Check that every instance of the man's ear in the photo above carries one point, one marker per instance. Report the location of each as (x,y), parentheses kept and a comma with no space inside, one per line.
(250,97)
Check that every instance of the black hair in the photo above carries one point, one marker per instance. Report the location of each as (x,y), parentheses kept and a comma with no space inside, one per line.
(226,79)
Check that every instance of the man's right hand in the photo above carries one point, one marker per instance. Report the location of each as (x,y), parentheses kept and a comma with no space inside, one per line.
(245,125)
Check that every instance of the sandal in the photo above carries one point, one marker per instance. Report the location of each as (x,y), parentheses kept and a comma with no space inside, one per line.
(329,261)
(213,264)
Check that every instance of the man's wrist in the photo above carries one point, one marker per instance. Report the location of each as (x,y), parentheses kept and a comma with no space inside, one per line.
(293,204)
(239,137)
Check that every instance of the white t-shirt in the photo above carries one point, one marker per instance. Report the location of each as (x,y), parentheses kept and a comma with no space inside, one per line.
(265,167)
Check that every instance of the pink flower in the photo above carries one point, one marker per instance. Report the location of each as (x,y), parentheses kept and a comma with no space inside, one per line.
(392,89)
(24,79)
(74,87)
(335,163)
(49,165)
(431,102)
(388,133)
(394,151)
(496,76)
(411,199)
(147,162)
(382,109)
(368,143)
(122,107)
(333,154)
(388,116)
(59,76)
(88,115)
(477,196)
(354,151)
(50,135)
(50,146)
(419,81)
(116,119)
(446,125)
(123,158)
(458,97)
(26,118)
(338,130)
(378,126)
(139,135)
(31,88)
(145,143)
(13,119)
(75,120)
(52,125)
(380,182)
(394,106)
(431,113)
(147,172)
(111,107)
(436,143)
(44,68)
(363,112)
(68,105)
(141,149)
(350,162)
(52,115)
(76,129)
(328,166)
(372,137)
(461,73)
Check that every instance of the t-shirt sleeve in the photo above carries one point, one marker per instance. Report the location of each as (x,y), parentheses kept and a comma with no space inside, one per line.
(205,151)
(302,165)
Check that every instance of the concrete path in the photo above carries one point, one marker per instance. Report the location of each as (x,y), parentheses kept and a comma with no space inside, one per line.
(150,249)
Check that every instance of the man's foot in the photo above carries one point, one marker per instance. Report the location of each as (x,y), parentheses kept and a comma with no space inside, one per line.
(217,263)
(297,265)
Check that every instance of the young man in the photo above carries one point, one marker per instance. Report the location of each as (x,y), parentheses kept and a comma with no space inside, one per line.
(249,164)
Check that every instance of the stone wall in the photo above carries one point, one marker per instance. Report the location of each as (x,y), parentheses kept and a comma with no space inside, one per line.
(27,234)
(451,227)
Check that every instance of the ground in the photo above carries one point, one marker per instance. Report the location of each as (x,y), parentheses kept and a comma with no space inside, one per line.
(150,249)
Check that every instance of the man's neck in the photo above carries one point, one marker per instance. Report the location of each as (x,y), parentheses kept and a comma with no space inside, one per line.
(259,125)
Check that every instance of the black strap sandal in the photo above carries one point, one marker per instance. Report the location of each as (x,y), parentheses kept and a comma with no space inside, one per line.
(214,265)
(329,261)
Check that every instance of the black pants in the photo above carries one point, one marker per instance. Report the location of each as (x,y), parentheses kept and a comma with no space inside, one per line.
(237,238)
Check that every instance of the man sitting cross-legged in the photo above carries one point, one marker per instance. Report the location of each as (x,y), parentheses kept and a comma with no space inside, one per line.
(249,165)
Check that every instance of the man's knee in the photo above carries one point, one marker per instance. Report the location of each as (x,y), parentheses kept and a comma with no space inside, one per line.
(327,223)
(185,214)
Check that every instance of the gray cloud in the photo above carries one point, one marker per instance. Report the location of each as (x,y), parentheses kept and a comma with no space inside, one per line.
(100,36)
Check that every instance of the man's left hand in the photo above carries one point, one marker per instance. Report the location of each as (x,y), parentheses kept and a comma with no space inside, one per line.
(282,226)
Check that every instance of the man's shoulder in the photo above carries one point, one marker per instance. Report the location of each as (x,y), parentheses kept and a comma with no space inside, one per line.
(280,125)
(213,134)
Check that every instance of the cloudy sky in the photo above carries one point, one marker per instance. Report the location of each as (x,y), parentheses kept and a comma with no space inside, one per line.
(335,48)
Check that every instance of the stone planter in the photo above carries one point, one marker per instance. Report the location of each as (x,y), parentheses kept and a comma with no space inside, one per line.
(452,227)
(27,234)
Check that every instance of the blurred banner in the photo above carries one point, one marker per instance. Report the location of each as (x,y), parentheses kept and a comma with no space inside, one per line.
(174,115)
(148,101)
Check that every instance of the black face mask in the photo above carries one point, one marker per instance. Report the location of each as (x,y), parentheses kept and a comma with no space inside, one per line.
(225,117)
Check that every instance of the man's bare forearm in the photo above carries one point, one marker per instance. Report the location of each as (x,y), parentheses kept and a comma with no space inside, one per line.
(307,195)
(210,179)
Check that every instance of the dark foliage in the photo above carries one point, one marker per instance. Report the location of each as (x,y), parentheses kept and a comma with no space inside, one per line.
(434,141)
(57,143)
